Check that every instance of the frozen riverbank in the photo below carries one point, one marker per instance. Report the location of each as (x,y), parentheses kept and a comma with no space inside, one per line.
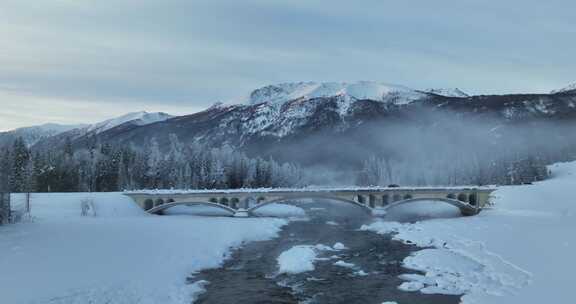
(122,255)
(520,251)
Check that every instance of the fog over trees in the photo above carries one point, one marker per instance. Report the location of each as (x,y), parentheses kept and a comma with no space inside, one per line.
(430,148)
(447,150)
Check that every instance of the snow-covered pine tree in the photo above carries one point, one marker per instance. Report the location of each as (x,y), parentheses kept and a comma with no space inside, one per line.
(19,179)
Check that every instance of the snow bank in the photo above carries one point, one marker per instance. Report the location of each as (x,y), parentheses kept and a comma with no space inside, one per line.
(62,206)
(122,255)
(301,258)
(297,259)
(200,210)
(280,210)
(421,210)
(520,251)
(344,264)
(339,246)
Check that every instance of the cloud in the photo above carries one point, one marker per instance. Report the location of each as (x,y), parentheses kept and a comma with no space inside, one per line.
(25,110)
(181,54)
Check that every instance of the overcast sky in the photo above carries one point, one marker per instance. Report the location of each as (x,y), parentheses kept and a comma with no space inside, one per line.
(72,61)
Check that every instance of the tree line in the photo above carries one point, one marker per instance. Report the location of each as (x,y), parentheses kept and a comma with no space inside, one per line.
(107,167)
(102,167)
(472,171)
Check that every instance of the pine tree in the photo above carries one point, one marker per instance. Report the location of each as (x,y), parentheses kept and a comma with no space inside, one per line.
(19,181)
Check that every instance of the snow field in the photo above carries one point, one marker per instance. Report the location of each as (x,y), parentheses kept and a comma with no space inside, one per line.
(520,251)
(121,255)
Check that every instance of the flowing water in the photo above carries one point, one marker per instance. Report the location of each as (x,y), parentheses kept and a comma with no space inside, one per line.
(251,274)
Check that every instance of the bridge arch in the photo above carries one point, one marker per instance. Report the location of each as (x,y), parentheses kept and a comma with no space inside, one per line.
(385,199)
(165,206)
(159,202)
(465,208)
(234,202)
(473,199)
(148,204)
(372,200)
(308,196)
(224,201)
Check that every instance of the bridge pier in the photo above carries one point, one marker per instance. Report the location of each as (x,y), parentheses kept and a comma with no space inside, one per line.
(470,211)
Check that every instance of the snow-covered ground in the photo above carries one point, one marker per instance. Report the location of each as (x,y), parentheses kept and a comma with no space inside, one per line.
(520,251)
(122,255)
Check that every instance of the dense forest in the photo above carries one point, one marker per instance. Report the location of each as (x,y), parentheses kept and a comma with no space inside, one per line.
(103,167)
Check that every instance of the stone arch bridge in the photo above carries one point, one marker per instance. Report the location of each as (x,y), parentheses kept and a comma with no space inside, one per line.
(243,202)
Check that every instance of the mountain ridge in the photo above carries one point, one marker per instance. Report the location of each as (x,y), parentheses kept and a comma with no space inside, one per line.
(265,127)
(35,134)
(567,89)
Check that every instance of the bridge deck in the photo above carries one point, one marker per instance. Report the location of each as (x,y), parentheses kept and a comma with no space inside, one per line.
(311,190)
(470,199)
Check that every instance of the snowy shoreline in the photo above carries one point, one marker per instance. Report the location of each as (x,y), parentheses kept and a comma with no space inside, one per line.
(122,256)
(520,251)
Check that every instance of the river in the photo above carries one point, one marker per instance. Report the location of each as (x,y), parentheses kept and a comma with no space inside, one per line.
(251,276)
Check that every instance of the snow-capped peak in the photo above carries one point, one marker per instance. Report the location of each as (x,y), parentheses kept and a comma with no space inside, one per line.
(281,93)
(33,134)
(455,92)
(569,88)
(138,118)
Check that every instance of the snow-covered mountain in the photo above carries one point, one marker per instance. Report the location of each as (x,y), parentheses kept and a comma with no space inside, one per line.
(291,119)
(569,88)
(31,135)
(277,114)
(282,93)
(54,134)
(136,118)
(455,92)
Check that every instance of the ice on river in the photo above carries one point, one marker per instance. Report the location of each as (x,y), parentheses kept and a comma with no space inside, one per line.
(297,259)
(301,258)
(344,264)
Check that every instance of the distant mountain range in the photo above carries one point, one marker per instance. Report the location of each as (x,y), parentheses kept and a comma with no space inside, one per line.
(287,119)
(568,89)
(34,134)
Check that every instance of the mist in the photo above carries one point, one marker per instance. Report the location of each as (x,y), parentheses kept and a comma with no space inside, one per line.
(433,147)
